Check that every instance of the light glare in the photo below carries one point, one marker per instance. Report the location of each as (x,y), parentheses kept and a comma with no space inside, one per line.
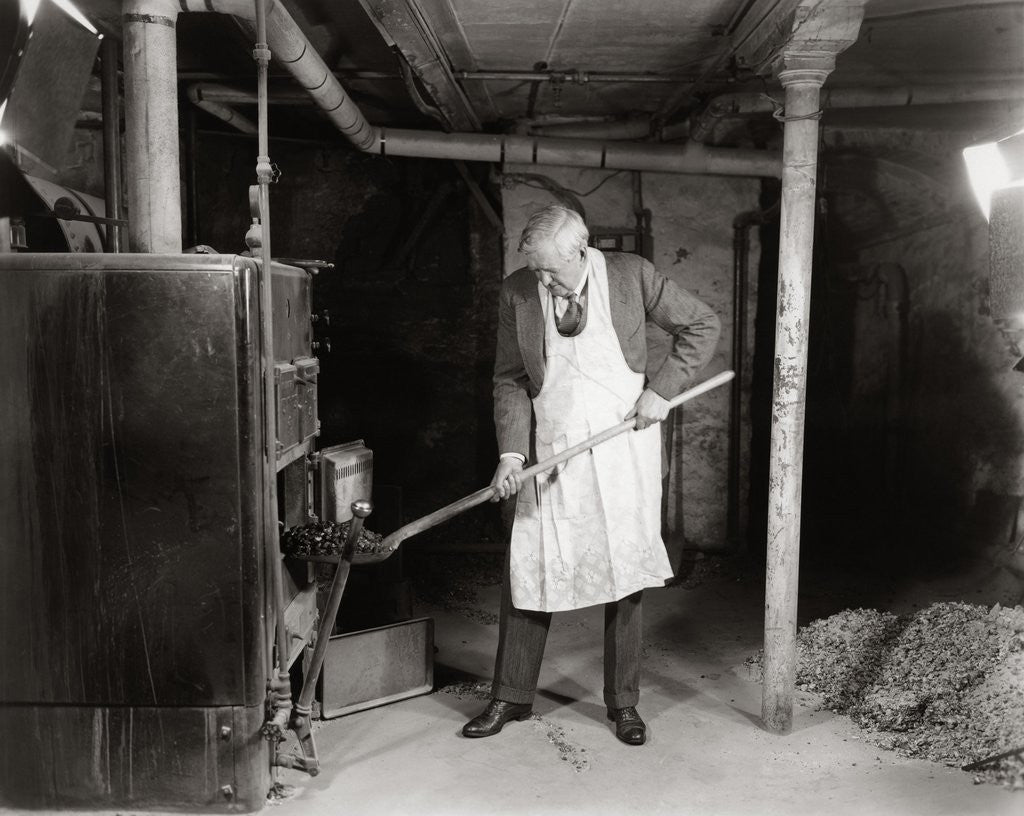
(988,172)
(30,7)
(69,8)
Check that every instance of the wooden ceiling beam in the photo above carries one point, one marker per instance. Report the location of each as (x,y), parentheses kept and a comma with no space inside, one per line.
(773,29)
(403,25)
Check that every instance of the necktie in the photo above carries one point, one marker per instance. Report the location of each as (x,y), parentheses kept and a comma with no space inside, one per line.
(569,323)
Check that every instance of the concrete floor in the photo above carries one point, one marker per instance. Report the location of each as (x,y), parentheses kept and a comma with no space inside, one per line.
(706,753)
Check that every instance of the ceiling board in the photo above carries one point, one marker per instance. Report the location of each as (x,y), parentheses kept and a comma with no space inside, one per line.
(942,45)
(629,35)
(904,42)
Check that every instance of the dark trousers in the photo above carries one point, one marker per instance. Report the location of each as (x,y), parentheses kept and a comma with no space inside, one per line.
(523,633)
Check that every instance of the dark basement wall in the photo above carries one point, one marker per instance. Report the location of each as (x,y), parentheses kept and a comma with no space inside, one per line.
(411,321)
(915,419)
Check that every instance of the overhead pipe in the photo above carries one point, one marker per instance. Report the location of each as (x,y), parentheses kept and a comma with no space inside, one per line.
(213,76)
(748,104)
(501,148)
(152,116)
(215,98)
(223,112)
(634,127)
(543,150)
(540,150)
(296,55)
(575,77)
(703,125)
(230,95)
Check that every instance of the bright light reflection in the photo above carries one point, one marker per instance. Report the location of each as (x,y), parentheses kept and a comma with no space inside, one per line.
(69,8)
(30,7)
(988,170)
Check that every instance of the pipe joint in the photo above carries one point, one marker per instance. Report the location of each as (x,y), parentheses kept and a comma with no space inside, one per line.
(266,173)
(151,8)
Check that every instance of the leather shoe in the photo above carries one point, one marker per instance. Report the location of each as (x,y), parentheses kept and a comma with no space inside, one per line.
(494,717)
(628,726)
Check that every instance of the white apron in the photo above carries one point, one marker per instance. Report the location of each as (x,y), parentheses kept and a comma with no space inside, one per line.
(589,531)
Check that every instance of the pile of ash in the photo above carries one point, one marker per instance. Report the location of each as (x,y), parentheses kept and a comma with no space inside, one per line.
(474,689)
(327,538)
(945,683)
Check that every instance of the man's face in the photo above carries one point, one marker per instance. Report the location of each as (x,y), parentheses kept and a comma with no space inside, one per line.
(559,275)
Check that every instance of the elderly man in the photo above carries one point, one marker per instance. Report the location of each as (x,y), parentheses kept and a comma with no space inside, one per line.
(571,357)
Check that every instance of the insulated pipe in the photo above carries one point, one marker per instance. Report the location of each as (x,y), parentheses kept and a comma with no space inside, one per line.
(229,95)
(691,159)
(109,52)
(745,104)
(530,149)
(295,54)
(223,112)
(703,125)
(637,127)
(289,46)
(152,117)
(151,124)
(293,51)
(574,77)
(796,243)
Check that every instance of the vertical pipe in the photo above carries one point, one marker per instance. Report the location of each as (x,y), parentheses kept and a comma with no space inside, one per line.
(740,250)
(109,52)
(191,181)
(151,123)
(263,174)
(796,241)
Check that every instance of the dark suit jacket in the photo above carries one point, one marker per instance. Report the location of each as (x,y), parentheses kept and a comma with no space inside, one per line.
(637,294)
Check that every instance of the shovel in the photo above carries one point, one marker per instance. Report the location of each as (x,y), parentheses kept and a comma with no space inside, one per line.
(392,541)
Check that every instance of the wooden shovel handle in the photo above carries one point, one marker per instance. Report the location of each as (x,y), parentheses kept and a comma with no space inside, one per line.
(484,494)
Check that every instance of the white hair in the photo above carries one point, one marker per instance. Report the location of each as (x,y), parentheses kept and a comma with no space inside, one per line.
(558,225)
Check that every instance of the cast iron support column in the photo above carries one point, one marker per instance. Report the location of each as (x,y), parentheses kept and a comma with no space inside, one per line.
(151,125)
(802,81)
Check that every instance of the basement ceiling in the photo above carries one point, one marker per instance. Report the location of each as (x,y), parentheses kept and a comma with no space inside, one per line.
(675,54)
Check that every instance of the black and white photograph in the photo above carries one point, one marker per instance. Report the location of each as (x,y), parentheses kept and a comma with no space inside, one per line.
(512,407)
